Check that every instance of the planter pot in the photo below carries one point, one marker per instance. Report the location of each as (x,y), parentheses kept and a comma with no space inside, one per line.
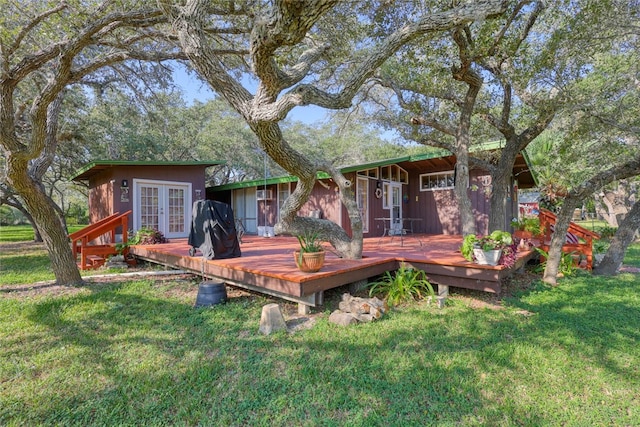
(311,261)
(521,234)
(487,257)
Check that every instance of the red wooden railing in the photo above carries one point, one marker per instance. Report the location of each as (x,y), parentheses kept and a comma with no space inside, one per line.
(93,255)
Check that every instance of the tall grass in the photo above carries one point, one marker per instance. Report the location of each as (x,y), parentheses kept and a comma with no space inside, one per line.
(138,353)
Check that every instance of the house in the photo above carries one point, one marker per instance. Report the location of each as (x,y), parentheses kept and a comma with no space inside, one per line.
(159,194)
(417,188)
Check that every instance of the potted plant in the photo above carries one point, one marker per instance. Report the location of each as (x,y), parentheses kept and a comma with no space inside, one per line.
(486,250)
(123,250)
(310,257)
(526,228)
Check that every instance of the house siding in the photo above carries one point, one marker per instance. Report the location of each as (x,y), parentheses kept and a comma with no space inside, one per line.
(437,210)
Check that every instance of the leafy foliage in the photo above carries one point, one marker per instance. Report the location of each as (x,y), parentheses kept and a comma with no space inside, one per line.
(147,236)
(406,284)
(310,242)
(567,266)
(509,255)
(530,224)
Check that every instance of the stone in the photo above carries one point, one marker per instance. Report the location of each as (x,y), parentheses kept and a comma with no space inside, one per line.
(272,319)
(341,318)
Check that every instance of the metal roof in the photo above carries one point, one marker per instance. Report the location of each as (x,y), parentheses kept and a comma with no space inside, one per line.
(97,166)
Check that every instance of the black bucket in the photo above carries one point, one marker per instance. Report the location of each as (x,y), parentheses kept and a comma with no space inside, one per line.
(211,293)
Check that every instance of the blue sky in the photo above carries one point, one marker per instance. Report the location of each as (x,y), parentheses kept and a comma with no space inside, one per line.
(194,89)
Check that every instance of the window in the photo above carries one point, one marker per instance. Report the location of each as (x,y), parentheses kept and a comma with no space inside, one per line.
(436,181)
(371,173)
(362,197)
(394,173)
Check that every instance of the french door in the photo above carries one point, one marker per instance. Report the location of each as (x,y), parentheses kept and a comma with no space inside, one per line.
(393,201)
(164,206)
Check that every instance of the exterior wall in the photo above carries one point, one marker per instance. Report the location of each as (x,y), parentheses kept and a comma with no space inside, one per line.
(268,209)
(325,200)
(101,196)
(107,196)
(437,210)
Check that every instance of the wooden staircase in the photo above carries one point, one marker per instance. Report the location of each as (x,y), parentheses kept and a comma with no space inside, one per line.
(579,239)
(94,255)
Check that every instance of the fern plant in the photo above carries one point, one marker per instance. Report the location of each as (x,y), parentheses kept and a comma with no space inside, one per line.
(404,285)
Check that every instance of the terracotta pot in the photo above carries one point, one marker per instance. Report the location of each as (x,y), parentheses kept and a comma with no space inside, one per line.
(311,261)
(521,234)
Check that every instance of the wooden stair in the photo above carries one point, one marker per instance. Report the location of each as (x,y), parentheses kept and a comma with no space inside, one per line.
(579,239)
(94,255)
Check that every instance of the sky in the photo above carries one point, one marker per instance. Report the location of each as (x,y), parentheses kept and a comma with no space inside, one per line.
(195,90)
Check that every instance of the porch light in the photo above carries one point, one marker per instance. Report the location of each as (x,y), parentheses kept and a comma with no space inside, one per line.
(125,183)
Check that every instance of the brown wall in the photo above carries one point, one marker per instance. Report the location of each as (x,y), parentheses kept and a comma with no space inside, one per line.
(438,210)
(105,195)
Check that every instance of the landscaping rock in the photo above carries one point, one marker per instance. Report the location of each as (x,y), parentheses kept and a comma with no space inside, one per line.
(341,318)
(356,309)
(272,319)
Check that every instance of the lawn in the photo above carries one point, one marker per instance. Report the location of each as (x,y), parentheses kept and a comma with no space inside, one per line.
(138,353)
(24,233)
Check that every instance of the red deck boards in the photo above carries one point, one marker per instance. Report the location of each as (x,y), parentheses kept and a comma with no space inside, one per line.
(268,263)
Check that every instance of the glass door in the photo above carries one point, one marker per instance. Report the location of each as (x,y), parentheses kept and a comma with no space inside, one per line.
(362,198)
(396,208)
(149,207)
(164,207)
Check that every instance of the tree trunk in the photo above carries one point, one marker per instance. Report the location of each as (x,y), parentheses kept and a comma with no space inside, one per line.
(467,220)
(625,235)
(610,215)
(558,240)
(499,190)
(43,211)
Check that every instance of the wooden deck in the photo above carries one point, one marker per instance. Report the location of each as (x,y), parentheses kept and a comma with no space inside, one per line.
(267,265)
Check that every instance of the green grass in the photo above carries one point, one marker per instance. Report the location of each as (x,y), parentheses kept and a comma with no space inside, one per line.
(29,263)
(24,233)
(138,353)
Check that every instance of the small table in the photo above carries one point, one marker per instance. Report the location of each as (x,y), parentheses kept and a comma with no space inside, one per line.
(402,229)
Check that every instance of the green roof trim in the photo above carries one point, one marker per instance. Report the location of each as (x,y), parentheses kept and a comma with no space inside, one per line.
(103,164)
(324,175)
(435,154)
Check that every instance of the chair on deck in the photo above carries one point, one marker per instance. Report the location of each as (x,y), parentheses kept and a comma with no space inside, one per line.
(578,239)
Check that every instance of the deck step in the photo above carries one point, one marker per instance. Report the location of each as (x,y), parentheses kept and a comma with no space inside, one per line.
(95,261)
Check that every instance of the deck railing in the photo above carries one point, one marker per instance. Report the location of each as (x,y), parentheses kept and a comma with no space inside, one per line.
(93,255)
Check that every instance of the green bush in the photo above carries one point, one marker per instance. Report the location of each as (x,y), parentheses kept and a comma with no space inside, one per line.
(606,231)
(147,236)
(406,284)
(567,267)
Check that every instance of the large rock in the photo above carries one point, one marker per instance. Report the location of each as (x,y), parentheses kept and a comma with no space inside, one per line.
(272,319)
(342,319)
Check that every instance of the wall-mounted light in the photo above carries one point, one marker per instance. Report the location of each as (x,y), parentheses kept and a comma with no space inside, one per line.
(198,194)
(125,183)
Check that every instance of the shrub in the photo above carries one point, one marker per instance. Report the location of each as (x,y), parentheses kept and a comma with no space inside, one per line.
(567,267)
(404,285)
(606,231)
(147,236)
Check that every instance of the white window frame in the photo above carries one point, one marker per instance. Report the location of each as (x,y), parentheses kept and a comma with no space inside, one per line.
(435,180)
(163,195)
(363,189)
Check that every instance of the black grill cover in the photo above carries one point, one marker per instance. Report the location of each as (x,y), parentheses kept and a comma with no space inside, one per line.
(213,230)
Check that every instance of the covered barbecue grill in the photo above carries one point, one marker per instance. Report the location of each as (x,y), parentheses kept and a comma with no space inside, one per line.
(213,230)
